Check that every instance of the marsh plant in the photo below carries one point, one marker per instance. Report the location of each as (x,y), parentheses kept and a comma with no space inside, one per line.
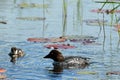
(111,11)
(64,13)
(80,15)
(77,15)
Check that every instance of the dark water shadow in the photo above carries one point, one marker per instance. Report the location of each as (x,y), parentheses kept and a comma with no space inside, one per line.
(57,72)
(58,69)
(54,73)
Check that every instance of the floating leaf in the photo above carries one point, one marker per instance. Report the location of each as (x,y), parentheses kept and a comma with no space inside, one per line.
(31,18)
(113,73)
(87,72)
(33,5)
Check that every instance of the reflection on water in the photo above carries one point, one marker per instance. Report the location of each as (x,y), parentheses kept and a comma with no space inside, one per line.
(32,66)
(57,69)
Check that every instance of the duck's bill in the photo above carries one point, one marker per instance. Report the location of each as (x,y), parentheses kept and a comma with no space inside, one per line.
(47,56)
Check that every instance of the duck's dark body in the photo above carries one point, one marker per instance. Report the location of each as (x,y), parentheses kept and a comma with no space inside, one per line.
(68,61)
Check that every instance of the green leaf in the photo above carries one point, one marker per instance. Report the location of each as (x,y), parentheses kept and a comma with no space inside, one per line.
(87,72)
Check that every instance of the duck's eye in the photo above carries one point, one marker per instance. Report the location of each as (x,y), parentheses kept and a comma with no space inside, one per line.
(52,53)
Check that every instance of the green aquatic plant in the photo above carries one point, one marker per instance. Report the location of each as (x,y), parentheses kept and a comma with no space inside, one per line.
(64,13)
(116,7)
(111,23)
(43,33)
(109,2)
(78,10)
(77,16)
(80,14)
(104,34)
(31,18)
(74,20)
(119,38)
(114,19)
(32,5)
(104,5)
(15,1)
(87,72)
(100,26)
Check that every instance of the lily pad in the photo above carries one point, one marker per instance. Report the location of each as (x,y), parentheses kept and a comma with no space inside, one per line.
(113,73)
(32,5)
(87,72)
(53,39)
(81,37)
(59,46)
(2,77)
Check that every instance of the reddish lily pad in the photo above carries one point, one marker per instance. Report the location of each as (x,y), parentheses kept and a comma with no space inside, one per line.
(2,70)
(59,46)
(60,39)
(2,76)
(113,73)
(105,11)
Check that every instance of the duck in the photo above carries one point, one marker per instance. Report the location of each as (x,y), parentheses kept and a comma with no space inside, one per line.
(67,61)
(15,53)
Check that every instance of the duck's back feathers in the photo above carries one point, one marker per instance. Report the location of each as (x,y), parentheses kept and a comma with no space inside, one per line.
(73,62)
(76,59)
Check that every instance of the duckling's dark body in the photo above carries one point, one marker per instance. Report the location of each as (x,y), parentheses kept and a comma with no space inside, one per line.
(15,53)
(68,61)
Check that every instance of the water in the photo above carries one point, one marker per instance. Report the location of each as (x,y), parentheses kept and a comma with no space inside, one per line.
(32,66)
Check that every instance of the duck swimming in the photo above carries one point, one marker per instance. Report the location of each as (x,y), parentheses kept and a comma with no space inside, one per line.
(15,53)
(67,61)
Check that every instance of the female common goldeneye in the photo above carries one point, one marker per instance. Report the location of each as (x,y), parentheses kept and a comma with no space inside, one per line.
(68,61)
(15,53)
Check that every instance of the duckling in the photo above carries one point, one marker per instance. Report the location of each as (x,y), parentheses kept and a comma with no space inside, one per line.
(15,54)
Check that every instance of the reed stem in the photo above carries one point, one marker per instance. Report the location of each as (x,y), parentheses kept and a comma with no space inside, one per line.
(104,34)
(80,15)
(64,21)
(43,20)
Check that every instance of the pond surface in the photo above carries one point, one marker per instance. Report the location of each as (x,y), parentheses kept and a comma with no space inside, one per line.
(33,66)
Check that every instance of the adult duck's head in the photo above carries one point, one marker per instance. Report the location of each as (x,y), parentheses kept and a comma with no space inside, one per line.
(55,55)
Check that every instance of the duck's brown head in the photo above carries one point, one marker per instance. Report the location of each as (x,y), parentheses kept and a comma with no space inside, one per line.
(55,55)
